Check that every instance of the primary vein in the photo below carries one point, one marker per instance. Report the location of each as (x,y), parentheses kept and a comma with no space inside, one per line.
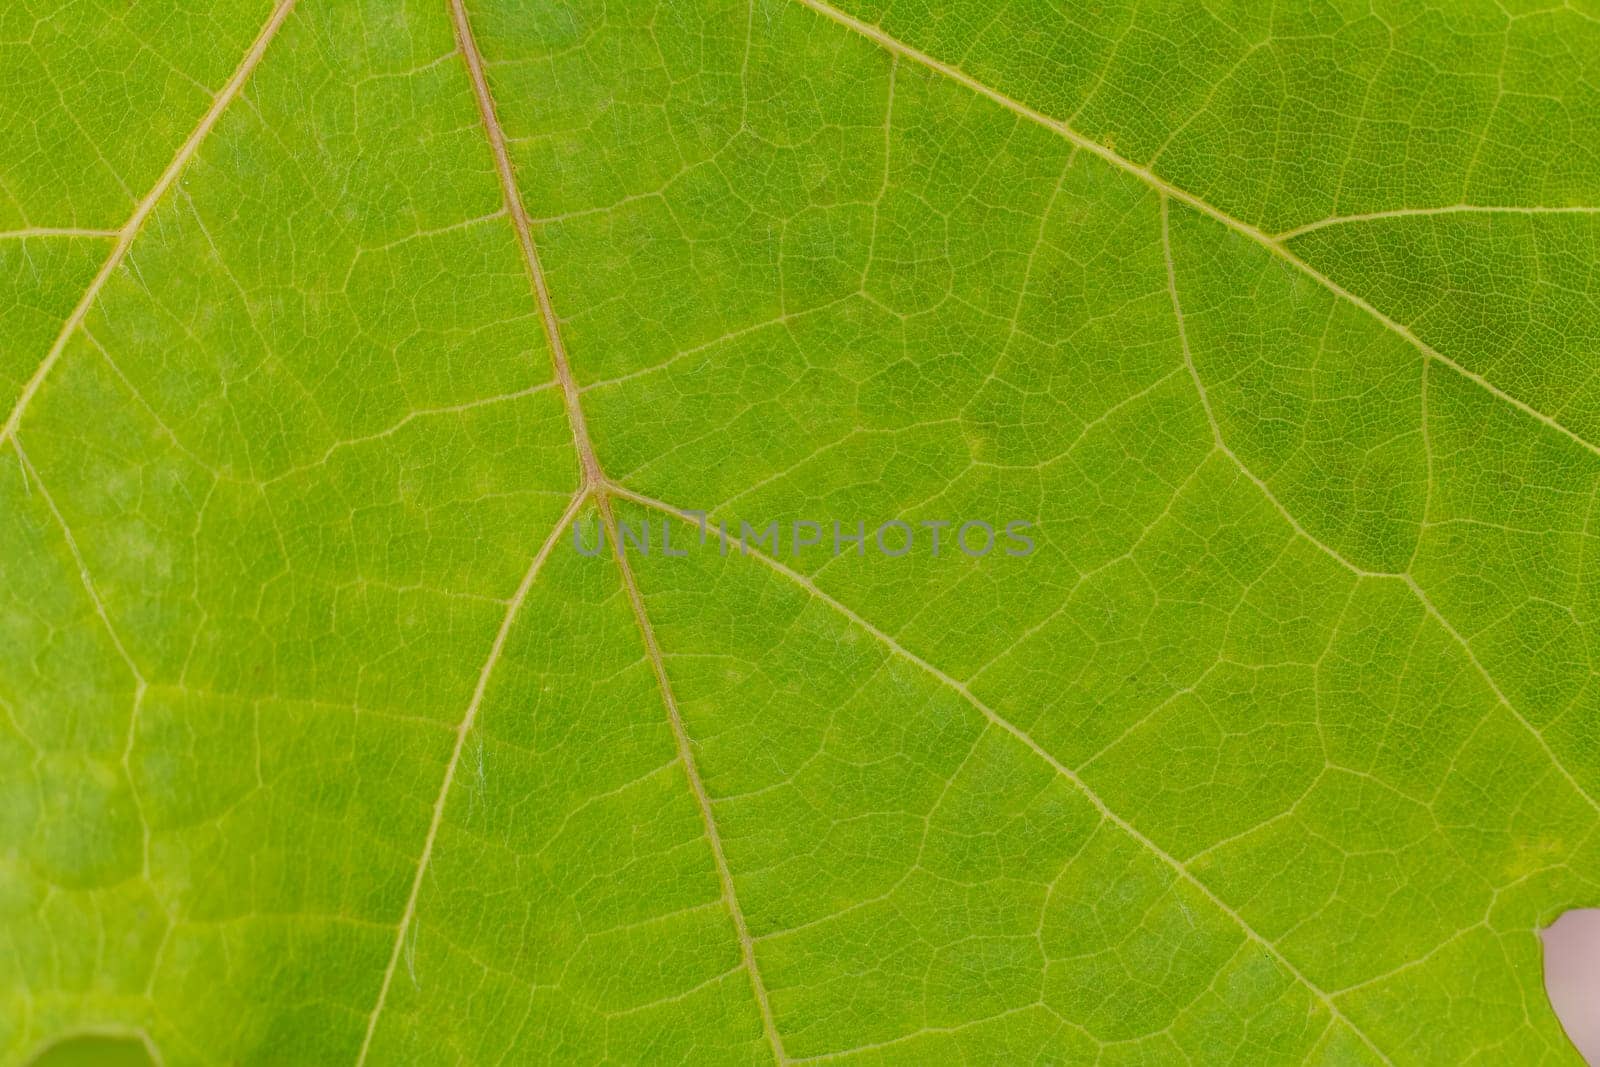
(520,222)
(593,483)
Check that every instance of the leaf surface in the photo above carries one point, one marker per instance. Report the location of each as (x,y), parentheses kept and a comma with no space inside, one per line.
(325,328)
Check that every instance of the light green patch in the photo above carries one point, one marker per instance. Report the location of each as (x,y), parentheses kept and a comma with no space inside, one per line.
(41,278)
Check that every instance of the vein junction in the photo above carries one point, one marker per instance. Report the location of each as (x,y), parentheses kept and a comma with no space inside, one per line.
(600,489)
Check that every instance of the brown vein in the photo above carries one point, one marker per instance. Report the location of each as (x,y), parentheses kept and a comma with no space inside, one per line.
(594,483)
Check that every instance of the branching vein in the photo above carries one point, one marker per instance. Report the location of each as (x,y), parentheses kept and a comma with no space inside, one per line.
(130,229)
(1273,244)
(593,484)
(1410,582)
(1106,812)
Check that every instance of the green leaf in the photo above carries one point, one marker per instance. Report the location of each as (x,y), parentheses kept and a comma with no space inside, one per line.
(326,328)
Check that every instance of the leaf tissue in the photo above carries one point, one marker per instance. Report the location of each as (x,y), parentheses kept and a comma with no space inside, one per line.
(750,531)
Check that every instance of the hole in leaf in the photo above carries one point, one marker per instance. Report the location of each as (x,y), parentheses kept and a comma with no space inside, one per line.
(96,1050)
(1572,977)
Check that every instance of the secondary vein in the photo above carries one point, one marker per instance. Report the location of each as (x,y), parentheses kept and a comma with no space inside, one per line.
(463,728)
(1404,576)
(1447,209)
(1161,185)
(130,229)
(994,717)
